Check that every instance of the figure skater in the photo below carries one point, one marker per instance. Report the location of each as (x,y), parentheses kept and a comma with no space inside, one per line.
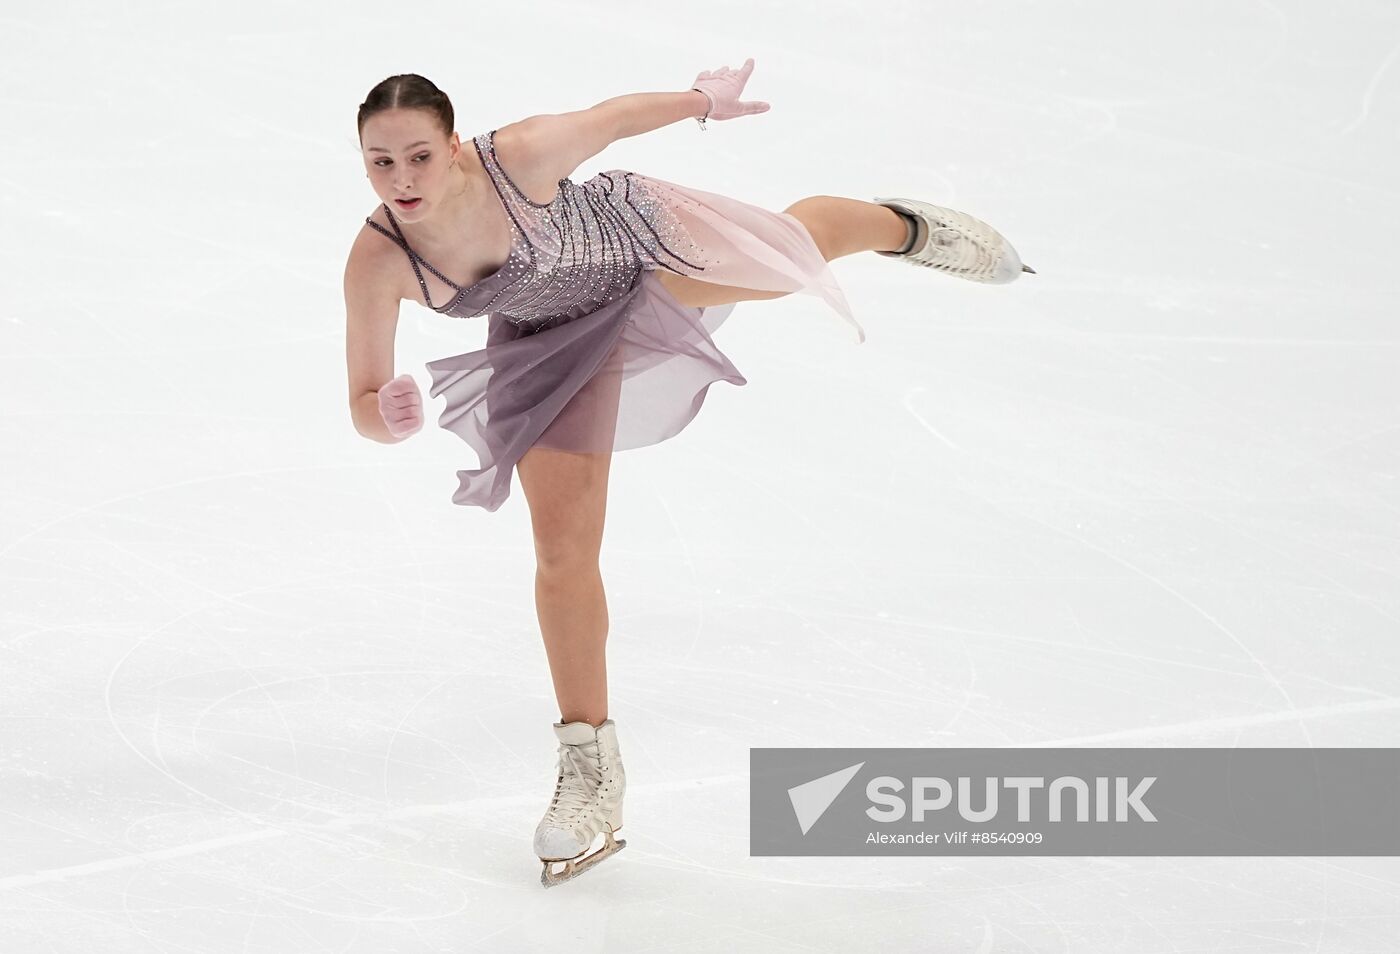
(601,298)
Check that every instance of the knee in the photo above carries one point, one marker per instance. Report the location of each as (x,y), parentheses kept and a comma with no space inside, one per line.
(809,210)
(567,551)
(814,212)
(567,493)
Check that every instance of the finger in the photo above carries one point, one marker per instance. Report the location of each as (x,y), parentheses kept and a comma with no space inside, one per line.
(748,65)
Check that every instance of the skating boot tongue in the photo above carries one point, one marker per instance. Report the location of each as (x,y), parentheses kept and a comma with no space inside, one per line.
(575,733)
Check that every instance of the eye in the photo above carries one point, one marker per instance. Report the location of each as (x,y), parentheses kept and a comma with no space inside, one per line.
(421,155)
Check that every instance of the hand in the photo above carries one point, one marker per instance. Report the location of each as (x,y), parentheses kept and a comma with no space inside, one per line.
(401,406)
(723,87)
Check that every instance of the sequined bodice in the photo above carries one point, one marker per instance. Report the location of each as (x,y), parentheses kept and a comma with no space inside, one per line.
(568,256)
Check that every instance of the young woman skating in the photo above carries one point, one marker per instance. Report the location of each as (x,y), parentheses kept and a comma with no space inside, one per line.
(601,298)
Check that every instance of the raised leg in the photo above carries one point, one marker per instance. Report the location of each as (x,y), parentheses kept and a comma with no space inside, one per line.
(838,225)
(842,226)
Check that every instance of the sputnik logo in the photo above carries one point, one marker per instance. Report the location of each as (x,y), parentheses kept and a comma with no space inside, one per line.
(810,800)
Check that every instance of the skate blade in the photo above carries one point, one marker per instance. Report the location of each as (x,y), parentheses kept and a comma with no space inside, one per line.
(955,272)
(573,867)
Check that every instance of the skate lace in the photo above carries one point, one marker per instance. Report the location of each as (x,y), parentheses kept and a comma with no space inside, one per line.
(580,774)
(960,251)
(963,244)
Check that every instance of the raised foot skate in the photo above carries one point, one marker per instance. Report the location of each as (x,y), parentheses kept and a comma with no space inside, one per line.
(957,243)
(573,867)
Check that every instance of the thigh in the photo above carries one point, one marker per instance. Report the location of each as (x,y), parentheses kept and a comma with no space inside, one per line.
(694,293)
(565,473)
(567,493)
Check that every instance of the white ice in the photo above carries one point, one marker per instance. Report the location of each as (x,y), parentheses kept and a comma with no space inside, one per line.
(264,688)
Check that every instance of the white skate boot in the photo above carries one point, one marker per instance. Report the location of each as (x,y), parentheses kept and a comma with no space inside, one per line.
(956,243)
(587,800)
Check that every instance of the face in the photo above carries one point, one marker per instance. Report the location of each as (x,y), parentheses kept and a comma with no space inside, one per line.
(407,157)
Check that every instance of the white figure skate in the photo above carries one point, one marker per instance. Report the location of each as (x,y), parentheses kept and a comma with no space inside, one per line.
(956,243)
(587,800)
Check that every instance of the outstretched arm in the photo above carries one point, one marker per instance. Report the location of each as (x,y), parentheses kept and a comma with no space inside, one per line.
(559,143)
(720,90)
(643,112)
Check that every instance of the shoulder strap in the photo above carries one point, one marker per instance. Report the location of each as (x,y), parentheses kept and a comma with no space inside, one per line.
(486,149)
(413,257)
(498,172)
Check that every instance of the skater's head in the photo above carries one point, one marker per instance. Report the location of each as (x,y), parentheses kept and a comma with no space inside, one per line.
(408,144)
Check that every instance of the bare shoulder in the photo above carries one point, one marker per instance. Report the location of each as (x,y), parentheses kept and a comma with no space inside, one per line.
(370,266)
(536,171)
(373,285)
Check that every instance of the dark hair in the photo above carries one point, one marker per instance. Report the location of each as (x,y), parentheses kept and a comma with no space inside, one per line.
(408,91)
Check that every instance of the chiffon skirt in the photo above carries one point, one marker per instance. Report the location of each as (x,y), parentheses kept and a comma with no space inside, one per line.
(636,369)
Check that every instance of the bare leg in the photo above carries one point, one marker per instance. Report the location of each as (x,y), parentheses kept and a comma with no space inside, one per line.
(567,491)
(843,226)
(838,225)
(567,494)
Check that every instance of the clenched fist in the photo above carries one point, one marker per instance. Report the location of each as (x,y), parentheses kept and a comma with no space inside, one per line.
(401,406)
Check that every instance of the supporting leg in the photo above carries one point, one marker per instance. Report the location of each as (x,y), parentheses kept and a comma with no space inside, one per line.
(567,494)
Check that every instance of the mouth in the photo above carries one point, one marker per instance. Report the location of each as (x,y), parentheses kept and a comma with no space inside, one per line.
(408,203)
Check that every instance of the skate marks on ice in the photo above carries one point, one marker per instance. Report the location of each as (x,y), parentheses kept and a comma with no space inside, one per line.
(384,820)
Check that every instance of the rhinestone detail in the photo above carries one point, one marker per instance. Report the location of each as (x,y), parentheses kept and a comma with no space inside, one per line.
(586,246)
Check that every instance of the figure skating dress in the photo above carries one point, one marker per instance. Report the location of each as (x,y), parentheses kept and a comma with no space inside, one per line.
(586,350)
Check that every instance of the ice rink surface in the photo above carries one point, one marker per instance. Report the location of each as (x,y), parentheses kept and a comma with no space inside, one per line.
(264,688)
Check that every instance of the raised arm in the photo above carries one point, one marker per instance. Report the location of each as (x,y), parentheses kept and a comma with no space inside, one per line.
(557,144)
(550,147)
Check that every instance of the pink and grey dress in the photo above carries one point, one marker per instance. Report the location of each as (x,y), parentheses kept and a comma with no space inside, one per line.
(586,351)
